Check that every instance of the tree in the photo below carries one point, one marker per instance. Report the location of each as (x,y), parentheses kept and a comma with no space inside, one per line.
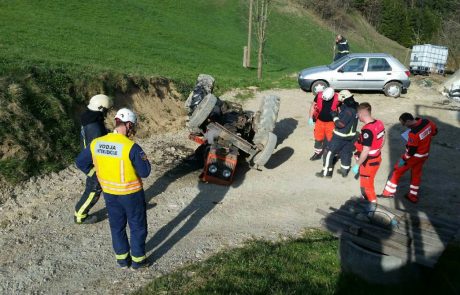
(395,22)
(261,12)
(248,58)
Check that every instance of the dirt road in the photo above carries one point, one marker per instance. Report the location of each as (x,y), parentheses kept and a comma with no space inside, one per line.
(42,251)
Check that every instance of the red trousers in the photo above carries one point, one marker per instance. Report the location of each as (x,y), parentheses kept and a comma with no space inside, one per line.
(415,165)
(323,132)
(367,172)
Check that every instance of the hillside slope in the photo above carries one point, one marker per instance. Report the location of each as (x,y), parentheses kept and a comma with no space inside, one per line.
(54,55)
(175,39)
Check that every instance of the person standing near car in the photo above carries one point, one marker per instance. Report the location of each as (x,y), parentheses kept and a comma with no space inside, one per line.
(120,164)
(368,152)
(92,126)
(325,102)
(341,46)
(419,136)
(344,134)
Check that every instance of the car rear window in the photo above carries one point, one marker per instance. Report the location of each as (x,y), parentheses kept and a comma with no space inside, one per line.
(378,65)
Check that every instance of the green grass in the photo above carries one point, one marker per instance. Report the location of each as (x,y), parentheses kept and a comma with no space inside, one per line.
(308,265)
(244,95)
(175,39)
(59,53)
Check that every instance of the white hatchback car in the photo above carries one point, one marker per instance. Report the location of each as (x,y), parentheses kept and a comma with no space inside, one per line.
(358,71)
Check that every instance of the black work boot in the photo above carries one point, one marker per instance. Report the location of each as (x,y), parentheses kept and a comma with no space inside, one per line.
(343,172)
(88,220)
(315,157)
(321,174)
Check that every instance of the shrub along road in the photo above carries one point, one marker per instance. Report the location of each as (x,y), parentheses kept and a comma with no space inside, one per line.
(43,251)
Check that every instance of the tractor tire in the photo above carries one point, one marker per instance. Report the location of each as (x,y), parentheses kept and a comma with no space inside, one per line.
(266,118)
(261,158)
(202,111)
(393,89)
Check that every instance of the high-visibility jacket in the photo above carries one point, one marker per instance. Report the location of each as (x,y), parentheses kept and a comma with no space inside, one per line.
(419,139)
(114,169)
(377,132)
(319,104)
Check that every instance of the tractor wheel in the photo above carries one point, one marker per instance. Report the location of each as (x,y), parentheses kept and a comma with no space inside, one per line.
(202,111)
(264,155)
(266,118)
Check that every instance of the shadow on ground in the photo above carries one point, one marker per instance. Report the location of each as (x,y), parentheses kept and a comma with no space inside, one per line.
(439,198)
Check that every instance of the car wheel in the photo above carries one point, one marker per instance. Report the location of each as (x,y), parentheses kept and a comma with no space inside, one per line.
(318,86)
(393,89)
(261,158)
(202,111)
(265,118)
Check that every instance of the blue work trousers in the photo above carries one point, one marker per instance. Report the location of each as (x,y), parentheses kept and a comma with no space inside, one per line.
(128,209)
(89,198)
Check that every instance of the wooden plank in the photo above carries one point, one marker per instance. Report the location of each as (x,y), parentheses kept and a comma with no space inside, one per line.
(415,221)
(379,234)
(442,221)
(427,238)
(441,234)
(447,223)
(381,247)
(432,231)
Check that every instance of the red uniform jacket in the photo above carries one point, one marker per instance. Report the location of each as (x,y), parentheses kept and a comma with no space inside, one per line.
(419,141)
(319,104)
(372,135)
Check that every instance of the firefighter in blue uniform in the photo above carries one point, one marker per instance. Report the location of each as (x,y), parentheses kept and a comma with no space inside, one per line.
(343,137)
(342,47)
(92,126)
(120,164)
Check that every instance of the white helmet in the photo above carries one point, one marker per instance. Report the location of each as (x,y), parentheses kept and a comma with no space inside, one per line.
(328,93)
(344,94)
(126,115)
(99,103)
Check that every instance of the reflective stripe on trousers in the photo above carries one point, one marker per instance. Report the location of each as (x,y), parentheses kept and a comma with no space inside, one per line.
(128,210)
(413,164)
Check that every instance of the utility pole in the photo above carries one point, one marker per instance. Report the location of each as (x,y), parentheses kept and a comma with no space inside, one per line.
(248,60)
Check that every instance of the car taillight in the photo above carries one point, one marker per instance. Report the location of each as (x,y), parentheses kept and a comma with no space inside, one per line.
(407,73)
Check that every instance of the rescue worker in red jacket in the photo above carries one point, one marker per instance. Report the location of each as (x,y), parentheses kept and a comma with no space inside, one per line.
(120,164)
(368,151)
(324,103)
(421,131)
(343,138)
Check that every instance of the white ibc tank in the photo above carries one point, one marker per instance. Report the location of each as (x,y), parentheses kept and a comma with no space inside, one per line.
(430,58)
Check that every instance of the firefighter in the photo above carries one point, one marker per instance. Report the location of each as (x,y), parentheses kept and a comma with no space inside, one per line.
(92,126)
(420,133)
(368,151)
(342,47)
(343,136)
(120,164)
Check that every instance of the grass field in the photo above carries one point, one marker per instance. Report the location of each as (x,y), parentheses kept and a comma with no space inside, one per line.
(308,265)
(176,39)
(55,54)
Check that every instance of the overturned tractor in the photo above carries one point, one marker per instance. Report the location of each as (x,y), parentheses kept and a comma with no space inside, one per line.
(227,133)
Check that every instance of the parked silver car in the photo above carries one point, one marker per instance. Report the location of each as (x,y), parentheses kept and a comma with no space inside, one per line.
(359,71)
